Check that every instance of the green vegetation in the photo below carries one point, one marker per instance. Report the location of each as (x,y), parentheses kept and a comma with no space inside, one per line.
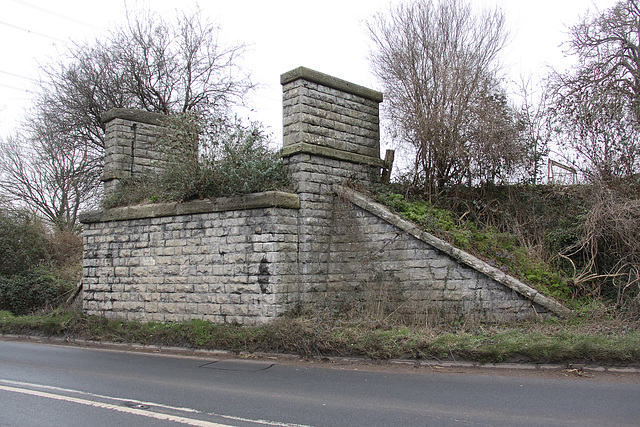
(37,266)
(24,292)
(206,158)
(581,339)
(575,243)
(500,249)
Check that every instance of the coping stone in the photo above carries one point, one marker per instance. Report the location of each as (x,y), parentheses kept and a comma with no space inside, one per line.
(134,115)
(267,199)
(330,81)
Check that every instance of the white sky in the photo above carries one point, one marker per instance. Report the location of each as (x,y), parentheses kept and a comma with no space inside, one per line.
(325,35)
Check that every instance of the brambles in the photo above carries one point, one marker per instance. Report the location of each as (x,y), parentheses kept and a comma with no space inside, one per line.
(606,254)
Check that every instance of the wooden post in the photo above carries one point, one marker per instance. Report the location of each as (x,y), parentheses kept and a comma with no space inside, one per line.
(388,166)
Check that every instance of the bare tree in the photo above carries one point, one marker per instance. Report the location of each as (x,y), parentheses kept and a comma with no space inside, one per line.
(46,176)
(438,62)
(179,68)
(608,50)
(536,129)
(596,126)
(495,150)
(149,64)
(597,104)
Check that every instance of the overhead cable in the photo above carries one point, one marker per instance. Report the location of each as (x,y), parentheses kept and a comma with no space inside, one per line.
(17,75)
(59,15)
(16,88)
(31,32)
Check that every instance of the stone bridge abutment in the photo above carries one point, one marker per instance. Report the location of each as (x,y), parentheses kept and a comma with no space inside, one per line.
(324,246)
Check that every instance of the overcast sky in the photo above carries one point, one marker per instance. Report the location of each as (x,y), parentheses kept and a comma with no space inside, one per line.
(325,35)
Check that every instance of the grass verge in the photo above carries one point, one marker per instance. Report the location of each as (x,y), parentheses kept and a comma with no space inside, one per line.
(577,340)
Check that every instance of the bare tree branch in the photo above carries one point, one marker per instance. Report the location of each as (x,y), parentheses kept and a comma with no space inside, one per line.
(597,104)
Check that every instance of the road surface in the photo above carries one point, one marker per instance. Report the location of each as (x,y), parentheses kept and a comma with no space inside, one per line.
(49,385)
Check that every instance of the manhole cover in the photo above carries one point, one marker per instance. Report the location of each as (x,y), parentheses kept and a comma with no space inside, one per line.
(237,366)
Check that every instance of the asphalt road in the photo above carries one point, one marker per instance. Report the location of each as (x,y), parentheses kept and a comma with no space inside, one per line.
(47,385)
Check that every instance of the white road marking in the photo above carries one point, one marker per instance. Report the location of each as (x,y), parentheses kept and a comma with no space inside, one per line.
(99,396)
(125,409)
(17,386)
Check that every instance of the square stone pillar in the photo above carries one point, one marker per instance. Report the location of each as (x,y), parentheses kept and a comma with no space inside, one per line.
(130,145)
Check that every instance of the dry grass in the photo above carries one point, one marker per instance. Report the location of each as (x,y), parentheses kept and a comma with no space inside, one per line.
(592,337)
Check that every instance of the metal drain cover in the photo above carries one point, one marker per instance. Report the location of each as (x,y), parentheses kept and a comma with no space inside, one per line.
(239,366)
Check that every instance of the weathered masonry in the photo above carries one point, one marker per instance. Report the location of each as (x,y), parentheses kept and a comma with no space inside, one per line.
(324,246)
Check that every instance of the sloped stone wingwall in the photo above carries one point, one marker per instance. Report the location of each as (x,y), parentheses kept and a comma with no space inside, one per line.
(387,267)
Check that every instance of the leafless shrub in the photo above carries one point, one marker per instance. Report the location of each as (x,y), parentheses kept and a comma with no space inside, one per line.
(438,63)
(606,259)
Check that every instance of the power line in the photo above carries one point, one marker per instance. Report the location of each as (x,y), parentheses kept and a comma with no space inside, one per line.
(31,32)
(59,15)
(17,75)
(16,88)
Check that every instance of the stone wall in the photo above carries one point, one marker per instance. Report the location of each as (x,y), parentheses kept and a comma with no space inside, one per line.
(331,136)
(326,246)
(228,260)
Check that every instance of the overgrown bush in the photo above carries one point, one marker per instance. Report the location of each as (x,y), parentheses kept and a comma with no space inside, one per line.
(28,291)
(23,242)
(37,265)
(207,158)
